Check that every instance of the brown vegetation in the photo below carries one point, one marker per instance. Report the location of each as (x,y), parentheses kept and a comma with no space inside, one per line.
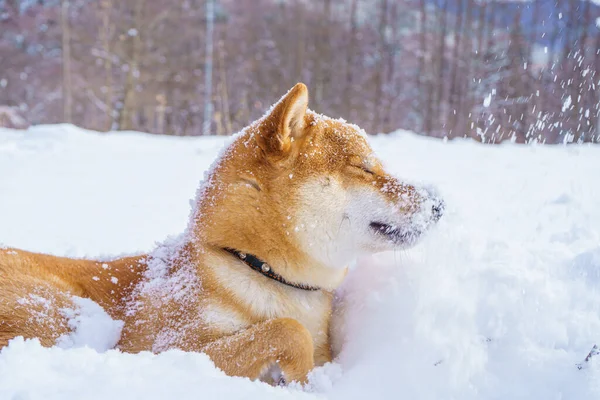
(492,70)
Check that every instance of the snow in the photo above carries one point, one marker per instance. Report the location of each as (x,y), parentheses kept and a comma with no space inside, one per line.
(567,104)
(501,300)
(92,327)
(129,189)
(488,100)
(31,372)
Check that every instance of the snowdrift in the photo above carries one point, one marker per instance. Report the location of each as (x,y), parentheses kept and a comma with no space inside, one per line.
(500,301)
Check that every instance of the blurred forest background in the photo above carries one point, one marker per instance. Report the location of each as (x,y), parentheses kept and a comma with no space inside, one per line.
(488,69)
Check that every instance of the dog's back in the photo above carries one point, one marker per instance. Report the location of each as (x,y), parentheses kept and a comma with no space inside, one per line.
(36,289)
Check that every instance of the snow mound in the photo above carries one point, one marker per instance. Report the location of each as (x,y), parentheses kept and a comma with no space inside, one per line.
(91,326)
(500,301)
(29,371)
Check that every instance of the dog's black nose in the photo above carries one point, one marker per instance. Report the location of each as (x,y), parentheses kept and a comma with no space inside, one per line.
(437,210)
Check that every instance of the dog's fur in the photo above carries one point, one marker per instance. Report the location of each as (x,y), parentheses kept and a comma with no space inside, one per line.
(300,191)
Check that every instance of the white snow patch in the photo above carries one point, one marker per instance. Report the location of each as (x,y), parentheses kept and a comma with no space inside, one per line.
(91,326)
(488,100)
(30,371)
(567,104)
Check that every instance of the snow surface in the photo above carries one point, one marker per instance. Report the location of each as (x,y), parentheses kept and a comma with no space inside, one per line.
(500,301)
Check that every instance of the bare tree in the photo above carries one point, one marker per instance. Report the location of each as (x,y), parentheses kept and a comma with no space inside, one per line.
(448,68)
(208,67)
(66,62)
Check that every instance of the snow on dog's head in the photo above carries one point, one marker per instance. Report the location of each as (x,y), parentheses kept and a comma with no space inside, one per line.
(296,185)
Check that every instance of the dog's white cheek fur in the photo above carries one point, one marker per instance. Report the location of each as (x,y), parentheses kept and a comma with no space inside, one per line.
(332,223)
(322,227)
(370,205)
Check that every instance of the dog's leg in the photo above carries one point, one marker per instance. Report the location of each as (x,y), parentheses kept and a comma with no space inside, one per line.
(252,351)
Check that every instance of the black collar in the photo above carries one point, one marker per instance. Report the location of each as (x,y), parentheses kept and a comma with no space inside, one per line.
(260,266)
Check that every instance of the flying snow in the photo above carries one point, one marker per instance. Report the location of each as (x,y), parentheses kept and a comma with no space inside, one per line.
(488,100)
(567,104)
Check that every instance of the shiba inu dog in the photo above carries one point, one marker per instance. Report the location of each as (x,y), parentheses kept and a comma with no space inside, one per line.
(289,204)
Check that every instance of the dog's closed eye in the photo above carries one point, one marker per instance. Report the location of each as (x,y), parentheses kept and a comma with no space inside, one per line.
(364,169)
(252,183)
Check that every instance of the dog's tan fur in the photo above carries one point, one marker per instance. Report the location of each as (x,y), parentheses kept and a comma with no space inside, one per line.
(195,296)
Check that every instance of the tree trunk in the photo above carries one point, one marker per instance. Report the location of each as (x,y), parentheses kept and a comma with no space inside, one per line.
(224,91)
(379,73)
(597,71)
(208,67)
(578,81)
(422,74)
(392,47)
(133,73)
(440,84)
(456,60)
(108,65)
(348,105)
(322,73)
(300,45)
(66,63)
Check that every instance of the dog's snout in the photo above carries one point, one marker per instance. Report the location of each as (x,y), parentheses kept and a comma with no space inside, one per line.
(437,210)
(433,199)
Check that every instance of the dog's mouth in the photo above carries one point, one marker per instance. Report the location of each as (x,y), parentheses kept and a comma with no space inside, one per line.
(395,234)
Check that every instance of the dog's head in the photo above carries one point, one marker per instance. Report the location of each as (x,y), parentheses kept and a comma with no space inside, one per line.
(297,185)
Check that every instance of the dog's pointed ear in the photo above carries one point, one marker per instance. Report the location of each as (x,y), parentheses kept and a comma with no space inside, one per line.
(285,123)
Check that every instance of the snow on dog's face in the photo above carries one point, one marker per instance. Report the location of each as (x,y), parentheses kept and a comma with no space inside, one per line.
(303,186)
(346,202)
